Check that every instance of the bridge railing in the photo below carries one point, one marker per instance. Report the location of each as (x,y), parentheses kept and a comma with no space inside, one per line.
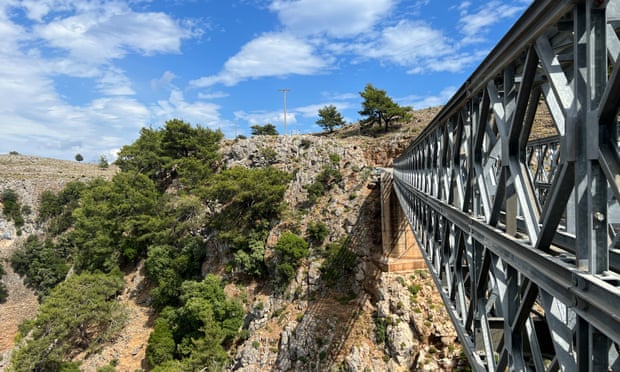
(520,234)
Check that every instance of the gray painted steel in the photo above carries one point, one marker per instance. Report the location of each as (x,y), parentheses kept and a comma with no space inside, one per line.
(523,236)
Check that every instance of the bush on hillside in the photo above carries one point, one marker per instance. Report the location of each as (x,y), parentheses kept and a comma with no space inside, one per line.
(196,333)
(80,314)
(316,233)
(43,264)
(11,208)
(290,250)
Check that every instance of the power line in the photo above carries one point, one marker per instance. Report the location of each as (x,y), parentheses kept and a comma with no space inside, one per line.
(284,90)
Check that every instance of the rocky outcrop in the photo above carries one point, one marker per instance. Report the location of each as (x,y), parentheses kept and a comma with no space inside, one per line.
(313,327)
(420,335)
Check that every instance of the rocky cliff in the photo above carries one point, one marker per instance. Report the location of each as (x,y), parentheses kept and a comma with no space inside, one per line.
(370,320)
(366,319)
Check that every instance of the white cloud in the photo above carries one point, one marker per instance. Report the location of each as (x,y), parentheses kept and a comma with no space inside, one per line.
(115,83)
(164,82)
(429,100)
(112,33)
(36,10)
(336,18)
(60,127)
(416,45)
(408,42)
(271,117)
(342,102)
(212,95)
(272,54)
(475,25)
(310,111)
(196,113)
(82,39)
(340,96)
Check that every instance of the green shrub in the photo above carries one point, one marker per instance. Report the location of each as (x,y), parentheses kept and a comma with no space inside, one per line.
(197,332)
(305,143)
(11,208)
(108,368)
(161,345)
(103,162)
(57,208)
(380,328)
(315,191)
(328,177)
(270,154)
(317,232)
(80,314)
(249,257)
(42,263)
(414,289)
(290,250)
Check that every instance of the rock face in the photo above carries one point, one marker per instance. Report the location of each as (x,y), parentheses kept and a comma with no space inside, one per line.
(420,335)
(318,327)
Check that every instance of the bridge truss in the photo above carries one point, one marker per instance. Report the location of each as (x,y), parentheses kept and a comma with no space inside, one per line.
(522,236)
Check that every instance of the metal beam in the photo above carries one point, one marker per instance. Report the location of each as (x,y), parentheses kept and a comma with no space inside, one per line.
(504,241)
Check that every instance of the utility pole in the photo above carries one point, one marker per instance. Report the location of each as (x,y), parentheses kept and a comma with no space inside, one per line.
(284,90)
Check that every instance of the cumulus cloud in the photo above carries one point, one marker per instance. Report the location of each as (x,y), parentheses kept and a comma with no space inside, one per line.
(197,112)
(80,40)
(112,33)
(272,54)
(407,43)
(475,24)
(336,18)
(114,82)
(429,100)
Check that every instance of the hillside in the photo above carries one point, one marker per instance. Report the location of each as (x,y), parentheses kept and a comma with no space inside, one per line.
(365,319)
(29,176)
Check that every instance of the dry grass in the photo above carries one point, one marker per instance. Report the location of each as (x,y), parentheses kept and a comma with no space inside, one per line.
(22,167)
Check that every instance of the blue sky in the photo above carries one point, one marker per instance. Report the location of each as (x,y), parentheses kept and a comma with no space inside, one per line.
(85,76)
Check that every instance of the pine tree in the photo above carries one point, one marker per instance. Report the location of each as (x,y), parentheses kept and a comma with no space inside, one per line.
(330,118)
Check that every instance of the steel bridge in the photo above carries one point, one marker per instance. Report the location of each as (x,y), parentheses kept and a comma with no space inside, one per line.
(520,230)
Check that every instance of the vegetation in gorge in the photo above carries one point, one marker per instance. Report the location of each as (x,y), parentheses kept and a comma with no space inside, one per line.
(168,199)
(12,209)
(79,314)
(196,333)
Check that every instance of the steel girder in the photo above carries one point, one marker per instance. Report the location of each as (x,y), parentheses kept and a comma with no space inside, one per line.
(519,235)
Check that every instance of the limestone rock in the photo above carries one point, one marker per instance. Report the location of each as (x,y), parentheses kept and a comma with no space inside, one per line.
(401,343)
